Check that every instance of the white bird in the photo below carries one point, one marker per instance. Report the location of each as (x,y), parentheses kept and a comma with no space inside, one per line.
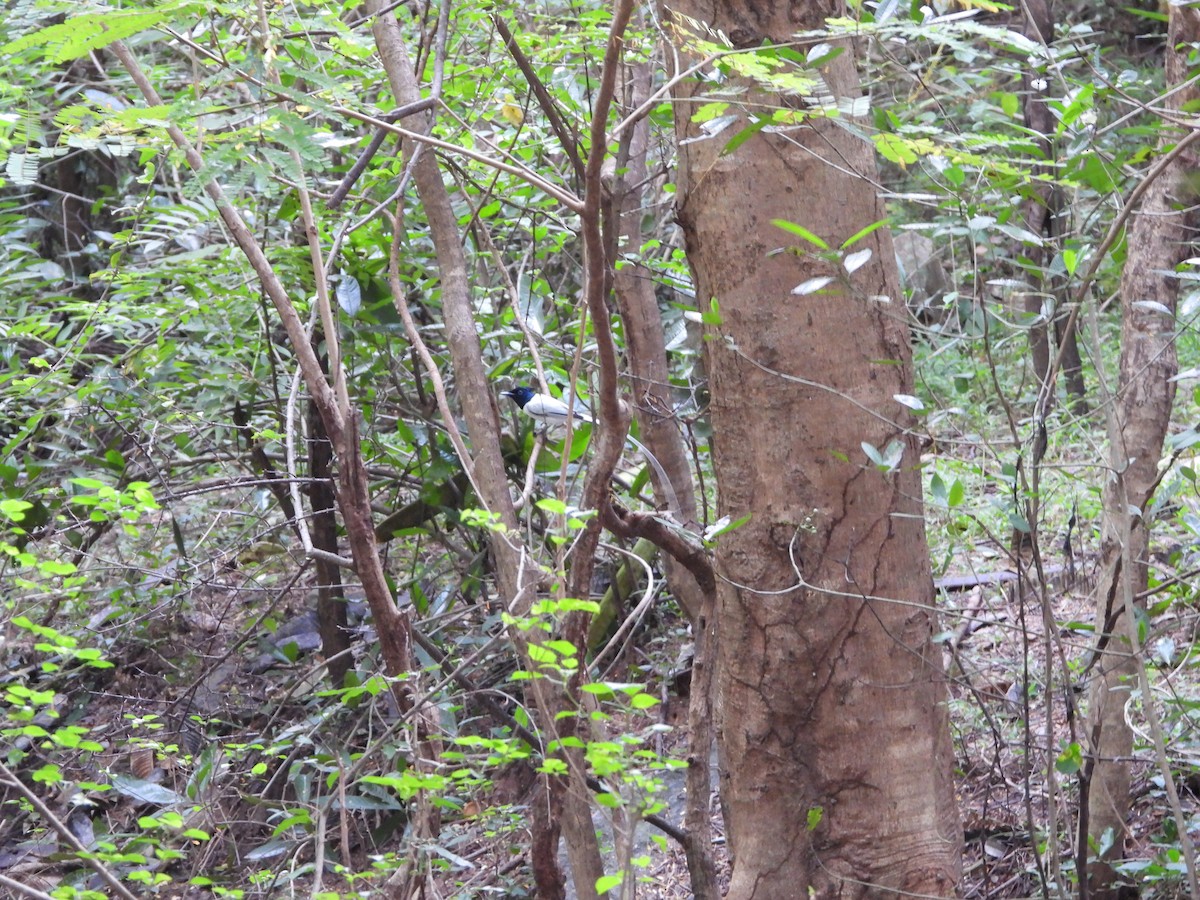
(545,408)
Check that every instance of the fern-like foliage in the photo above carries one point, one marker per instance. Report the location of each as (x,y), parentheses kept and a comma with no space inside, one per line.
(82,34)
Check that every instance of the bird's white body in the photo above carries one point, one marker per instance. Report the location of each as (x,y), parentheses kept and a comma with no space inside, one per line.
(551,409)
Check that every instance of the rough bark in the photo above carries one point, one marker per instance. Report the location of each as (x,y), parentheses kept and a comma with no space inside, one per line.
(833,730)
(1159,240)
(486,464)
(645,346)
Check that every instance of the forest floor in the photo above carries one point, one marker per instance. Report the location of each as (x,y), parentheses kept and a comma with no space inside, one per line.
(215,705)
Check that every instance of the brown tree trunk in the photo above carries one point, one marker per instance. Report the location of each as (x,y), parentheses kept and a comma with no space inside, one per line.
(331,596)
(1158,242)
(485,466)
(833,729)
(1043,211)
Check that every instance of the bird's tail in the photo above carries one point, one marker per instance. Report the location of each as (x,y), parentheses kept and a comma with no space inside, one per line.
(672,499)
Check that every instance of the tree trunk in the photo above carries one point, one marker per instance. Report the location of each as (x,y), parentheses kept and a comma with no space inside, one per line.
(1043,210)
(833,728)
(392,625)
(1158,242)
(331,595)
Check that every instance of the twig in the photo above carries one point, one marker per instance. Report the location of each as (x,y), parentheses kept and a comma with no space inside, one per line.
(597,278)
(380,122)
(427,360)
(563,196)
(364,159)
(567,139)
(65,833)
(639,611)
(17,888)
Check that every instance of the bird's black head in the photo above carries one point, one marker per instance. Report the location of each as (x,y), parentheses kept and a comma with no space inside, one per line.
(520,395)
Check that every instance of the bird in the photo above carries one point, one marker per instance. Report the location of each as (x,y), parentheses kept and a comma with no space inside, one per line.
(545,408)
(552,411)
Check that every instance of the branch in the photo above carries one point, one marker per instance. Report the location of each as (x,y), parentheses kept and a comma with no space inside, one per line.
(693,557)
(381,122)
(340,423)
(563,196)
(310,366)
(364,159)
(610,414)
(65,833)
(1118,223)
(567,139)
(427,360)
(486,468)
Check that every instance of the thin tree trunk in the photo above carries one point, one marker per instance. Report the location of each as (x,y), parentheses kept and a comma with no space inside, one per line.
(354,498)
(485,467)
(646,351)
(331,597)
(833,729)
(1043,211)
(1158,242)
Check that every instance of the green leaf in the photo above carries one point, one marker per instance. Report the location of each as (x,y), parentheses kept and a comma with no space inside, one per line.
(569,741)
(724,525)
(801,232)
(540,654)
(409,783)
(571,604)
(563,648)
(1151,14)
(937,488)
(957,494)
(47,774)
(609,882)
(643,701)
(90,483)
(1070,760)
(713,316)
(15,509)
(80,35)
(1090,170)
(709,111)
(1070,258)
(862,233)
(1080,103)
(894,149)
(745,134)
(53,567)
